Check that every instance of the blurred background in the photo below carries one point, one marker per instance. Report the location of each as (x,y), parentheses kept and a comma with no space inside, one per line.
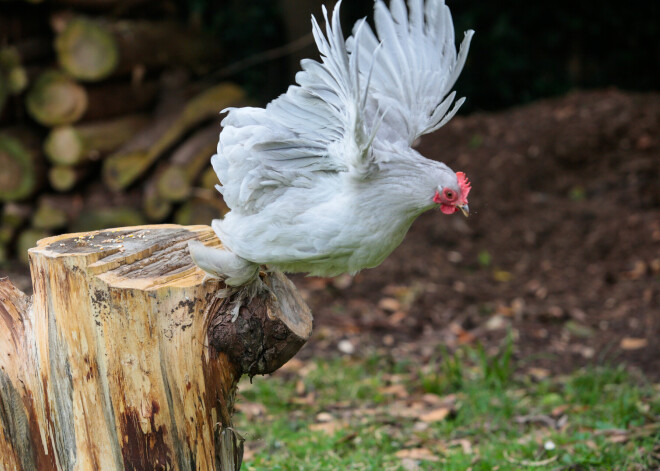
(108,108)
(109,115)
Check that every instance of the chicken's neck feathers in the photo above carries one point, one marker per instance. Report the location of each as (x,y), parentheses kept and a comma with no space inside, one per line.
(405,179)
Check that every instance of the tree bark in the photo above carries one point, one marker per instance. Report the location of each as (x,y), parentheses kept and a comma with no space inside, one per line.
(126,356)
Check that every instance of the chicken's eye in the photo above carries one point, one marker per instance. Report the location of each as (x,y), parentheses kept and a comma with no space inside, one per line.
(450,195)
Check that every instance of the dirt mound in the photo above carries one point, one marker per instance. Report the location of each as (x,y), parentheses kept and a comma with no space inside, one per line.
(563,243)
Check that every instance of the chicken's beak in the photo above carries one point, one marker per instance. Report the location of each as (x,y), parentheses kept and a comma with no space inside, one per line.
(465,209)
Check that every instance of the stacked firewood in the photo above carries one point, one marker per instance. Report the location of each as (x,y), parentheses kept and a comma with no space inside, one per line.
(108,117)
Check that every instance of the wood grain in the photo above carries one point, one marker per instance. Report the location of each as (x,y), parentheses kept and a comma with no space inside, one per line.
(126,358)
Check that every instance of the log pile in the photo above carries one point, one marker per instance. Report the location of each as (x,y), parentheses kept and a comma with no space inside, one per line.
(107,118)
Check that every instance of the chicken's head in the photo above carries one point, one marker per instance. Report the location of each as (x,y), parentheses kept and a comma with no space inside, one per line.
(451,198)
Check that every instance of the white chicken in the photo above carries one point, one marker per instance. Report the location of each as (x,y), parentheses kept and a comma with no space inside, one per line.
(324,180)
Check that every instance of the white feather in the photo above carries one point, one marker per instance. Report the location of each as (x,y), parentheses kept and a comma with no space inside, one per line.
(323,180)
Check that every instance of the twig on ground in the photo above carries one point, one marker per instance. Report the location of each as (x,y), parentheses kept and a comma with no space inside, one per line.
(542,419)
(530,463)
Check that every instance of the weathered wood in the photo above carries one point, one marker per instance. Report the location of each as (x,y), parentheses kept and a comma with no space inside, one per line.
(21,446)
(126,357)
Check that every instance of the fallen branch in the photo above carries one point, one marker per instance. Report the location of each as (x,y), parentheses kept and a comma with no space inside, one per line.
(530,463)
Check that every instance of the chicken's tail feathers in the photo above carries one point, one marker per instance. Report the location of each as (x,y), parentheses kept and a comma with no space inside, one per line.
(223,264)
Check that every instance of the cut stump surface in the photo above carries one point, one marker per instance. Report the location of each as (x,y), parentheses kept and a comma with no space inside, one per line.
(126,356)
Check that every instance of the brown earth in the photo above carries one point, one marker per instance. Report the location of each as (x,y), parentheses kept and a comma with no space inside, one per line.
(562,247)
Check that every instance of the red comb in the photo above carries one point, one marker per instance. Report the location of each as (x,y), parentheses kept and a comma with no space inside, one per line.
(465,185)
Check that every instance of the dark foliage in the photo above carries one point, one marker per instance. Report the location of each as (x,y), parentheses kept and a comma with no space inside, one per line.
(247,29)
(527,50)
(522,50)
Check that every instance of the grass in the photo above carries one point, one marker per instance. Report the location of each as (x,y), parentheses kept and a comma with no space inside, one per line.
(460,411)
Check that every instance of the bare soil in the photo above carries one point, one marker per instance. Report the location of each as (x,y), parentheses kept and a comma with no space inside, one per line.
(562,247)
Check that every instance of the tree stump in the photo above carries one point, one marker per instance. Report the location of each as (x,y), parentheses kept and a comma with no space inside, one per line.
(126,357)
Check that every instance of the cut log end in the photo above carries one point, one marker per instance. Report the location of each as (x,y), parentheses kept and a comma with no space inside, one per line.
(63,177)
(173,185)
(63,146)
(86,50)
(55,99)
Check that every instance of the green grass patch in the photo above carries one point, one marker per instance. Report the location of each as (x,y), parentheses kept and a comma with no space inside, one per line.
(458,411)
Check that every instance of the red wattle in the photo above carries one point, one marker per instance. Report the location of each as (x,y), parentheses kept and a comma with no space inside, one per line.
(448,209)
